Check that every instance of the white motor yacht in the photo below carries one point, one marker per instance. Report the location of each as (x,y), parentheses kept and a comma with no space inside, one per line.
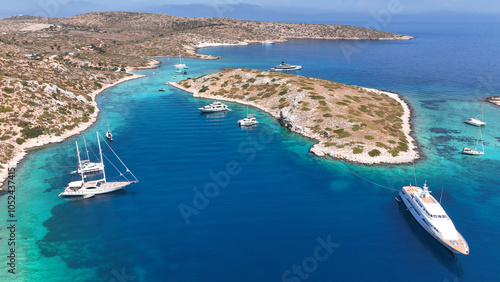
(285,67)
(214,107)
(432,217)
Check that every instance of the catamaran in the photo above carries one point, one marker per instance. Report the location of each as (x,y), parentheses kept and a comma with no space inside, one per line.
(250,120)
(94,182)
(475,151)
(475,120)
(432,217)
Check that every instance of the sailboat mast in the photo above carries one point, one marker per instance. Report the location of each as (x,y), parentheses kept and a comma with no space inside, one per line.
(481,136)
(86,150)
(100,154)
(77,152)
(80,167)
(482,118)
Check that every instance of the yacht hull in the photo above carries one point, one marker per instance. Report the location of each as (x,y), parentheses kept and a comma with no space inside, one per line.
(93,190)
(212,110)
(475,123)
(293,68)
(473,152)
(426,225)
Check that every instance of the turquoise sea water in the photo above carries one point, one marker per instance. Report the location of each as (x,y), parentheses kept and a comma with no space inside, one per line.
(275,204)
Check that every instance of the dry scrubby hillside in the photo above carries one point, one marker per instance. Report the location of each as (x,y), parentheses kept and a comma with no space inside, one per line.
(127,35)
(50,66)
(349,121)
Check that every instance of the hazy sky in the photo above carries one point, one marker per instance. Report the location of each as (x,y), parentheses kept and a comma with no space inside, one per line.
(61,8)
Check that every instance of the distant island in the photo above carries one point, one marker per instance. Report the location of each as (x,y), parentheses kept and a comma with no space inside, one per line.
(349,122)
(51,69)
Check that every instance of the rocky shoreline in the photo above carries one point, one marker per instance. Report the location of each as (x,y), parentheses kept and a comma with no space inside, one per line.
(21,150)
(495,100)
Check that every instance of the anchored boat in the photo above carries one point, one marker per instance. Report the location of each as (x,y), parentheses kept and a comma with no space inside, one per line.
(475,151)
(214,107)
(285,67)
(93,181)
(432,217)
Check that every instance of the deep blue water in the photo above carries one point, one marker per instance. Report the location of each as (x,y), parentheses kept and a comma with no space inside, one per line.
(275,202)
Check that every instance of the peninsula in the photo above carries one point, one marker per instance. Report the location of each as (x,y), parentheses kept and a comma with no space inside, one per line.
(51,69)
(349,122)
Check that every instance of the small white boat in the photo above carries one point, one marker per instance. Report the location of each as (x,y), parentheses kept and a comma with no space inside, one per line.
(476,121)
(470,151)
(180,65)
(108,133)
(285,67)
(86,166)
(267,42)
(250,120)
(432,217)
(475,151)
(214,107)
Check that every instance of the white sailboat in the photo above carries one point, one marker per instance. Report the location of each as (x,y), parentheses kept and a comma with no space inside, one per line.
(108,133)
(95,182)
(250,120)
(431,216)
(475,151)
(86,166)
(475,120)
(180,65)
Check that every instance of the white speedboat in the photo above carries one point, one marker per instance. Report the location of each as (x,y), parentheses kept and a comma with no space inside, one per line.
(475,151)
(267,42)
(248,121)
(214,107)
(285,67)
(432,217)
(108,133)
(87,187)
(475,121)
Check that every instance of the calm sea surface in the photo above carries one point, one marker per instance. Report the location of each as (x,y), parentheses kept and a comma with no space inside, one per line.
(269,210)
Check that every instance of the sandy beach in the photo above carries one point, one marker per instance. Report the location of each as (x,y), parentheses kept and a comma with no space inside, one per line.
(321,150)
(21,150)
